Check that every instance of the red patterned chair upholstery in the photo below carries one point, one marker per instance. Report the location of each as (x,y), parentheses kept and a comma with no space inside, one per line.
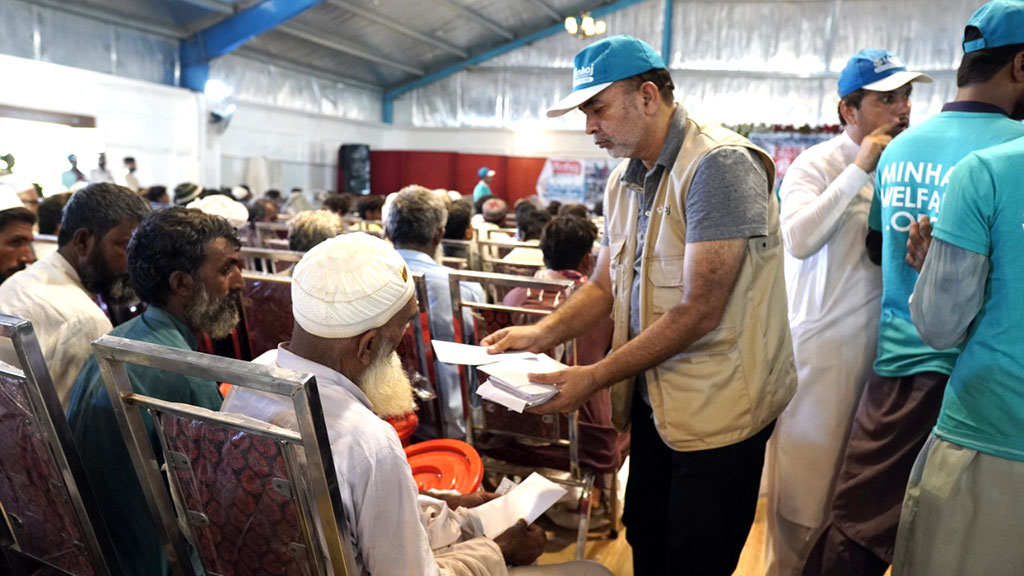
(47,506)
(417,354)
(267,311)
(242,511)
(253,498)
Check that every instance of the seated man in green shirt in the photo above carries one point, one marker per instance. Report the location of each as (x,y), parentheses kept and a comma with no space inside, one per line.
(185,265)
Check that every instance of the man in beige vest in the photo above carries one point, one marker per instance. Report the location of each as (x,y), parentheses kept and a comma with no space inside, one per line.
(690,269)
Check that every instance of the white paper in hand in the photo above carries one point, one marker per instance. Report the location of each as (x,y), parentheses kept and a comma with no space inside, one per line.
(467,355)
(510,376)
(531,498)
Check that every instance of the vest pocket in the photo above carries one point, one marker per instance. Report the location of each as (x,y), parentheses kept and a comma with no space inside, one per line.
(666,277)
(703,392)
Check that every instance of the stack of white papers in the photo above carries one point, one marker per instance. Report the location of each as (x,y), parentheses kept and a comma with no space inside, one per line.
(509,386)
(528,500)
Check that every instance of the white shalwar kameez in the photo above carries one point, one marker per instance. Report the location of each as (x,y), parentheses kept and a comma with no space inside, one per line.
(834,303)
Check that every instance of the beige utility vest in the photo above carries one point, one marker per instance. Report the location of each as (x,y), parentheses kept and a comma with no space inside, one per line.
(735,380)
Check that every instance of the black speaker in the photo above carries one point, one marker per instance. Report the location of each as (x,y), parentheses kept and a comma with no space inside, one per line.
(354,169)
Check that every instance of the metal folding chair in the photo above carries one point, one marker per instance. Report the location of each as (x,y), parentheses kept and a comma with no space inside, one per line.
(497,420)
(492,254)
(253,498)
(50,523)
(268,260)
(417,354)
(266,232)
(266,311)
(464,256)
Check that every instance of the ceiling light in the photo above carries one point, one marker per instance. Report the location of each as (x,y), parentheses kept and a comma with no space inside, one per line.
(584,26)
(217,91)
(570,25)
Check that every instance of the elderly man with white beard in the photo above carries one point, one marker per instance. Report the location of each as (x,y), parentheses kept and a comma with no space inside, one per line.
(352,298)
(185,265)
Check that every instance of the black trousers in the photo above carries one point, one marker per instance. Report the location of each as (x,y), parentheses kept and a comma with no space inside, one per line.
(689,512)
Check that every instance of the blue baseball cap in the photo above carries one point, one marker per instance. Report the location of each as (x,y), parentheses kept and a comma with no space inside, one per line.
(878,70)
(602,63)
(485,172)
(1001,23)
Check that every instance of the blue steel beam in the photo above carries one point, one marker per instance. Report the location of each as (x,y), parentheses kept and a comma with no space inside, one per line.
(227,35)
(394,93)
(666,33)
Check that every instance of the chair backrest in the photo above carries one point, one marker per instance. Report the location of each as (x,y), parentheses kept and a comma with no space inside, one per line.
(49,518)
(492,252)
(267,310)
(45,239)
(417,354)
(464,254)
(268,260)
(252,497)
(491,260)
(500,234)
(490,318)
(267,231)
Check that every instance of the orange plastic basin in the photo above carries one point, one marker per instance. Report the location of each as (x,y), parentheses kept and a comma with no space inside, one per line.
(445,465)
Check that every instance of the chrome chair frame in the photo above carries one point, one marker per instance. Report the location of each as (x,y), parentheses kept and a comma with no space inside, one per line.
(419,334)
(267,258)
(53,425)
(489,261)
(472,259)
(470,379)
(268,231)
(113,354)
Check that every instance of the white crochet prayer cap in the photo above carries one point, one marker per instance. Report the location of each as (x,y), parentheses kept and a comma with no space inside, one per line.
(9,198)
(349,284)
(220,205)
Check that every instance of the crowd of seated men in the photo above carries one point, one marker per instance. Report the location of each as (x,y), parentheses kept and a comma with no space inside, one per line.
(352,302)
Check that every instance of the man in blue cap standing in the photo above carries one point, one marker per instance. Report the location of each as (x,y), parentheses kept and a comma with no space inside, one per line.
(690,269)
(964,507)
(834,297)
(901,400)
(483,187)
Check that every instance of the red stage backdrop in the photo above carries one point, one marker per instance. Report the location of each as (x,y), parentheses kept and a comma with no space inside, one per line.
(390,170)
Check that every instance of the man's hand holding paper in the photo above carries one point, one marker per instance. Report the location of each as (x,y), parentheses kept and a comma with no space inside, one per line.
(575,385)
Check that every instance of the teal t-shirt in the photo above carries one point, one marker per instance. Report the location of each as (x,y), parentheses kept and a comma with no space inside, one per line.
(910,182)
(481,190)
(983,212)
(101,445)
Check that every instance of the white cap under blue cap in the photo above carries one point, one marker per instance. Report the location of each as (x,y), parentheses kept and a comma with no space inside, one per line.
(1000,22)
(878,70)
(603,63)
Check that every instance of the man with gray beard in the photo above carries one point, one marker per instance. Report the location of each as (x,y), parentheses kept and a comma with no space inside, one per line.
(185,265)
(58,293)
(415,224)
(352,298)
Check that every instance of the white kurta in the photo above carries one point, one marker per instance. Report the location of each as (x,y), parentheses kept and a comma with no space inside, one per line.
(834,294)
(395,530)
(64,316)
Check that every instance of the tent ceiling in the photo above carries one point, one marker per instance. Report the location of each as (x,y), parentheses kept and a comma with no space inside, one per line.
(384,43)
